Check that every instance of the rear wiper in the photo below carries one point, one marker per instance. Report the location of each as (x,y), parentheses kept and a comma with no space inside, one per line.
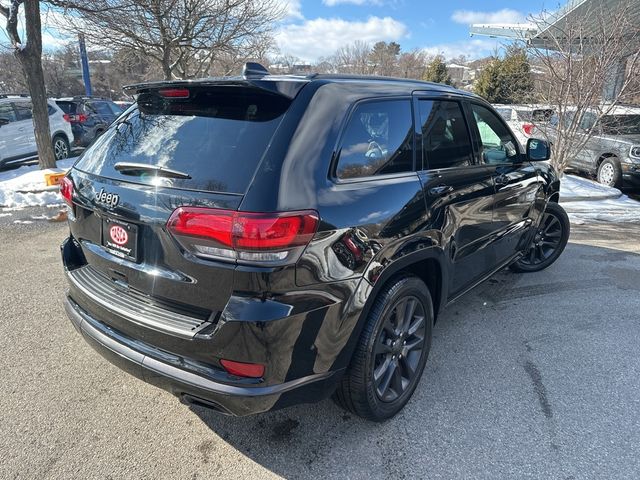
(129,168)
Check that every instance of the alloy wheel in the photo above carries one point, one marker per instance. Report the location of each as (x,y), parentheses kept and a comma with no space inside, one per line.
(398,348)
(60,149)
(546,241)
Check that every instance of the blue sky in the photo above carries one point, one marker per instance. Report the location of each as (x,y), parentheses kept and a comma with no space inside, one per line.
(317,28)
(313,29)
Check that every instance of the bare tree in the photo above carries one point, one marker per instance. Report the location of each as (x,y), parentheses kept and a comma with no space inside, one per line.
(353,58)
(185,37)
(411,64)
(590,66)
(29,55)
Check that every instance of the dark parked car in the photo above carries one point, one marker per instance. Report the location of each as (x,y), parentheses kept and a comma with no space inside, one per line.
(89,117)
(254,242)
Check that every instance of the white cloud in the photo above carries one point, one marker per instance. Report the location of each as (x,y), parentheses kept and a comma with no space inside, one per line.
(506,15)
(333,3)
(292,9)
(321,37)
(472,49)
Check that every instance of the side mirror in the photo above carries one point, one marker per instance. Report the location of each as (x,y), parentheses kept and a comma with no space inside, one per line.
(3,121)
(538,150)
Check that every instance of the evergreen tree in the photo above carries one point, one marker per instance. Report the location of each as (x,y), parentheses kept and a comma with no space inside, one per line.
(437,71)
(506,80)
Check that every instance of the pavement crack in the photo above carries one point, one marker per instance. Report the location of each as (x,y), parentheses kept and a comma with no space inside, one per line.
(539,388)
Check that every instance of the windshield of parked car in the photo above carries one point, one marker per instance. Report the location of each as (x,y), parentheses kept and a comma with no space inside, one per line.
(620,124)
(216,136)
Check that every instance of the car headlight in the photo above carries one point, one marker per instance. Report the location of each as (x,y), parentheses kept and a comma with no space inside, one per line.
(635,151)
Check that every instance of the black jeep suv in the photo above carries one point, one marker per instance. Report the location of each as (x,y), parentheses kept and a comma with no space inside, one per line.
(253,242)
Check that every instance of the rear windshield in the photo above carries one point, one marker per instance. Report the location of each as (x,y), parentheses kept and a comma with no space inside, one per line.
(216,136)
(67,107)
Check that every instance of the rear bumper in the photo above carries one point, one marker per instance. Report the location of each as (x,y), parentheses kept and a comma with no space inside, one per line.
(129,354)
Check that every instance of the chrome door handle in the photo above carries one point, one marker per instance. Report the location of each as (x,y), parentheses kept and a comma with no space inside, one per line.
(440,190)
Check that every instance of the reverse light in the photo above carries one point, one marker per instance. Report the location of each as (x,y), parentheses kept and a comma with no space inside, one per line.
(527,128)
(246,237)
(240,369)
(66,190)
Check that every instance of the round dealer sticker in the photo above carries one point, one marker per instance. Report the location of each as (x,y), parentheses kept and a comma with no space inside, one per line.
(118,235)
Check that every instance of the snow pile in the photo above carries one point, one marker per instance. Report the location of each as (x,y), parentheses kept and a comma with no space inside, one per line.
(585,201)
(24,186)
(573,189)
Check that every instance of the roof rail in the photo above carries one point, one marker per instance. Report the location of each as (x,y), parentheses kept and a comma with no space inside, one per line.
(89,97)
(254,69)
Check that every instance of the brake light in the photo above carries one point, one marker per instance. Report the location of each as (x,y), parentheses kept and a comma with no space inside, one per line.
(66,190)
(75,118)
(527,128)
(174,92)
(240,369)
(244,236)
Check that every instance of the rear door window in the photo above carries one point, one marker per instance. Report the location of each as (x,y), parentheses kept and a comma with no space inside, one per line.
(216,136)
(7,112)
(378,140)
(445,136)
(23,110)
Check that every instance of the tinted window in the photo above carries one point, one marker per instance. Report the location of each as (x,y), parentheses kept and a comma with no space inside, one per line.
(103,108)
(497,143)
(445,138)
(378,140)
(23,111)
(217,136)
(51,110)
(67,107)
(7,112)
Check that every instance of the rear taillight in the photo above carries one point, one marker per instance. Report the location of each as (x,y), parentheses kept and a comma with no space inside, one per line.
(247,237)
(241,369)
(66,190)
(75,118)
(527,128)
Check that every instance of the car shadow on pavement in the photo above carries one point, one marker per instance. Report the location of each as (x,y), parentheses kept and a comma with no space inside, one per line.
(515,368)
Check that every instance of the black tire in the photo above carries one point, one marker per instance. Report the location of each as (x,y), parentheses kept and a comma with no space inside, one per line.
(61,149)
(400,361)
(609,173)
(549,242)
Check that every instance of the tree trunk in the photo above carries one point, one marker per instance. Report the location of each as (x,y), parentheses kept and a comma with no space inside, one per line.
(30,57)
(35,81)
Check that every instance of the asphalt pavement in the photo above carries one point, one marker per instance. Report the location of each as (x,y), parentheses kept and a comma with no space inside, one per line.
(530,376)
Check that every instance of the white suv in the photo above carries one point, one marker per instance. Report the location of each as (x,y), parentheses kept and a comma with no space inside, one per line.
(17,137)
(526,121)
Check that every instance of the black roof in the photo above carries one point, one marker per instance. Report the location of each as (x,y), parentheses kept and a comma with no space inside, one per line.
(290,85)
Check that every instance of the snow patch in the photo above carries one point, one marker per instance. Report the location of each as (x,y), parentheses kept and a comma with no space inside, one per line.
(587,201)
(24,186)
(575,189)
